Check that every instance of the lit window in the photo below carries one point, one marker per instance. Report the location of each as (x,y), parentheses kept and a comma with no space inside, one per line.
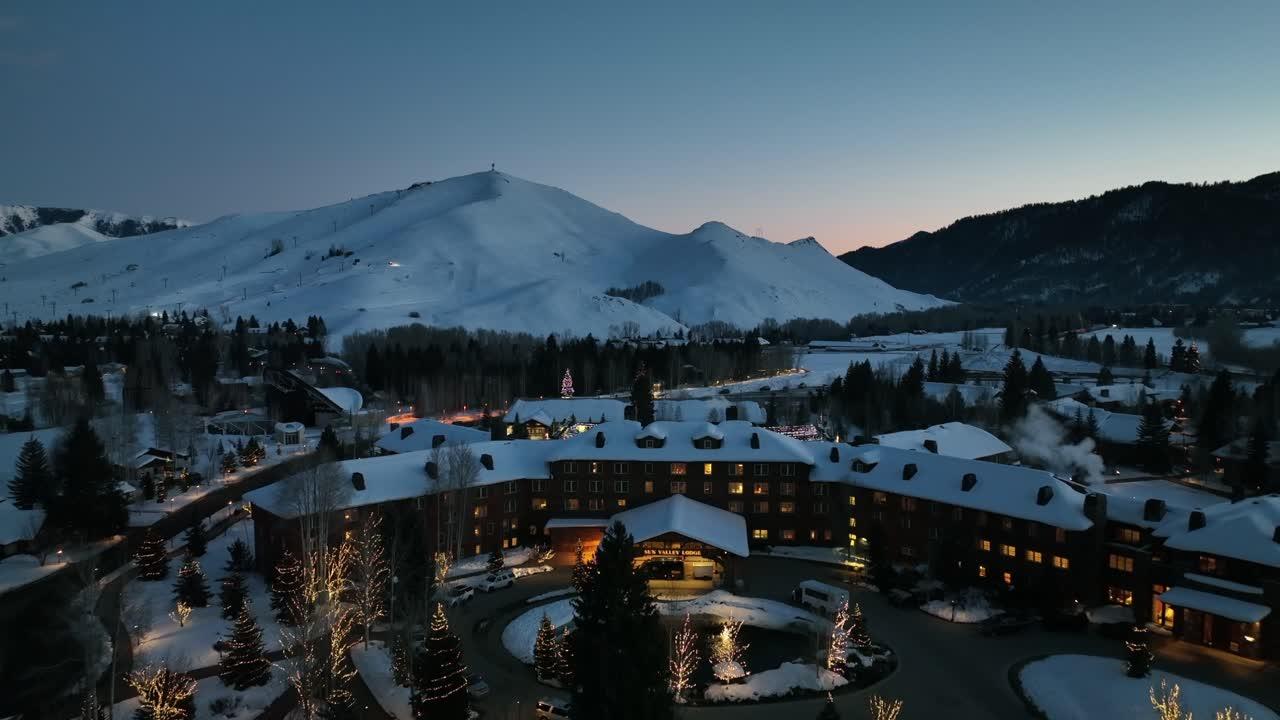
(760,488)
(595,468)
(1130,536)
(480,511)
(1034,556)
(706,468)
(1008,551)
(880,498)
(788,534)
(679,487)
(1120,562)
(1008,578)
(853,522)
(1061,563)
(787,508)
(984,545)
(853,501)
(571,504)
(707,488)
(982,571)
(621,502)
(736,469)
(1208,564)
(1119,595)
(760,534)
(648,487)
(735,488)
(539,504)
(678,468)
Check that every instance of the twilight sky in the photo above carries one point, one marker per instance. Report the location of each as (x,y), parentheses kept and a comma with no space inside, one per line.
(853,123)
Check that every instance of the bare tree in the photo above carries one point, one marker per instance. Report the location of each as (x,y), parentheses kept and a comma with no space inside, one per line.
(371,572)
(314,496)
(460,471)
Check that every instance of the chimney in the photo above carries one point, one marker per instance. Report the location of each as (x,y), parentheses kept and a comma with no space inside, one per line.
(1095,508)
(405,432)
(1196,520)
(487,461)
(357,480)
(1275,536)
(1153,510)
(1044,494)
(908,471)
(437,441)
(968,482)
(599,439)
(835,454)
(433,471)
(931,445)
(731,413)
(755,441)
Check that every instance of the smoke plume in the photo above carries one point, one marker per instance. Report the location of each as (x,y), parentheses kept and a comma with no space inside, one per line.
(1040,438)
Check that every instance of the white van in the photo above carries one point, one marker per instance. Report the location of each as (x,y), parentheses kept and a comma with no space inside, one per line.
(552,709)
(820,597)
(495,580)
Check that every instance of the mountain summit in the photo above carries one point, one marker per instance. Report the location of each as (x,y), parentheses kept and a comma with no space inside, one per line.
(486,250)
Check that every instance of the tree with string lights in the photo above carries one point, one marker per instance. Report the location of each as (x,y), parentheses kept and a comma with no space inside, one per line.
(858,636)
(400,660)
(440,685)
(372,572)
(191,587)
(163,694)
(828,711)
(545,650)
(564,659)
(684,659)
(233,595)
(245,664)
(882,709)
(838,646)
(726,656)
(150,558)
(495,561)
(566,384)
(1138,657)
(286,590)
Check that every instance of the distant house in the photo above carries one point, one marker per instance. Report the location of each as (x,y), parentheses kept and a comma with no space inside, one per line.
(157,463)
(1117,432)
(1234,457)
(289,433)
(427,434)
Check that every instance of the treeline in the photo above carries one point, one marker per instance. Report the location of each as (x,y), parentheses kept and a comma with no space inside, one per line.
(875,401)
(444,369)
(637,293)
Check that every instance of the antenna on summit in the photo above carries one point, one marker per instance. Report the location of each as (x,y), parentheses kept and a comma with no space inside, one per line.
(493,167)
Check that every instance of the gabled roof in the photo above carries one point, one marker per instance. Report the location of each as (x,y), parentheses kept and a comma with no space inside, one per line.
(1010,490)
(419,434)
(556,410)
(956,439)
(1126,501)
(620,443)
(687,518)
(1119,428)
(1244,530)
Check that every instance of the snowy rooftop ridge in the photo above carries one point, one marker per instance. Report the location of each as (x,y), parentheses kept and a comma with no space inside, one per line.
(1246,530)
(956,439)
(420,434)
(735,437)
(689,518)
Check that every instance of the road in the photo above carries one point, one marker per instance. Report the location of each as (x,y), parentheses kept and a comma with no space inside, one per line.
(945,669)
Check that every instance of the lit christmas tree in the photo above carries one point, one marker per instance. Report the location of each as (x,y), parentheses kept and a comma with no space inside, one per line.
(495,562)
(191,587)
(566,384)
(163,694)
(1168,702)
(400,660)
(684,659)
(229,463)
(882,709)
(233,595)
(150,558)
(857,634)
(564,659)
(838,648)
(544,650)
(726,653)
(828,711)
(286,590)
(245,663)
(1138,653)
(440,689)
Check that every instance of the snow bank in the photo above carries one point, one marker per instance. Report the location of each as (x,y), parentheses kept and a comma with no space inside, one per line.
(774,683)
(519,636)
(551,595)
(374,666)
(828,555)
(531,570)
(1055,685)
(476,563)
(243,705)
(19,570)
(1107,614)
(970,607)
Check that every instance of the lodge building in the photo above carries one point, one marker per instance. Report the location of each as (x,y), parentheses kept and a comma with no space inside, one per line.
(705,493)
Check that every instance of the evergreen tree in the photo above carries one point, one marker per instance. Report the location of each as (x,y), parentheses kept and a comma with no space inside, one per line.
(196,543)
(1149,359)
(1109,356)
(329,443)
(400,659)
(6,382)
(150,558)
(229,463)
(1217,419)
(828,711)
(32,480)
(1153,439)
(931,374)
(1093,350)
(1078,431)
(495,561)
(239,557)
(1191,363)
(545,651)
(1040,382)
(1178,356)
(91,385)
(233,595)
(619,650)
(440,688)
(1128,352)
(1256,467)
(191,587)
(1091,425)
(1138,653)
(564,659)
(1105,377)
(90,500)
(286,590)
(1013,397)
(642,395)
(245,664)
(858,635)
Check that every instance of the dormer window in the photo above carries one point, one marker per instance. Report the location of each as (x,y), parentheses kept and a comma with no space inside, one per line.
(863,467)
(708,444)
(650,443)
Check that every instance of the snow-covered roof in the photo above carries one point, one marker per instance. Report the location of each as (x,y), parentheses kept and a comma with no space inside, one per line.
(954,438)
(1222,606)
(1224,584)
(389,478)
(1119,428)
(701,409)
(1238,449)
(562,409)
(555,523)
(679,446)
(349,399)
(1010,490)
(542,417)
(1126,501)
(420,434)
(1128,393)
(17,524)
(290,427)
(1245,530)
(688,518)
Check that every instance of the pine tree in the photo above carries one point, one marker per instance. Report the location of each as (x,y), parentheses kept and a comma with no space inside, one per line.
(191,587)
(150,558)
(642,395)
(286,590)
(32,481)
(858,635)
(1217,419)
(564,659)
(229,463)
(233,595)
(400,659)
(1191,363)
(1138,653)
(1040,382)
(1105,377)
(196,543)
(1013,397)
(495,561)
(1149,359)
(329,443)
(90,501)
(6,382)
(1109,351)
(1256,465)
(828,711)
(566,384)
(245,664)
(614,610)
(240,558)
(931,374)
(1091,425)
(440,688)
(545,650)
(1178,356)
(1153,439)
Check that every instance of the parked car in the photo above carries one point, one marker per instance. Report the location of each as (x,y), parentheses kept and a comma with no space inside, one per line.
(459,594)
(664,570)
(476,686)
(819,596)
(552,709)
(503,578)
(1005,624)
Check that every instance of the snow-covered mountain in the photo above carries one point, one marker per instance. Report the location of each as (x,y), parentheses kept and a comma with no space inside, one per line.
(28,231)
(484,251)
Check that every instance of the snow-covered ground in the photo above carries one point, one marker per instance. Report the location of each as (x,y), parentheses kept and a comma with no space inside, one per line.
(19,570)
(476,563)
(970,606)
(519,635)
(1087,687)
(457,252)
(1108,614)
(191,646)
(240,705)
(1163,337)
(828,555)
(777,682)
(520,572)
(551,595)
(374,666)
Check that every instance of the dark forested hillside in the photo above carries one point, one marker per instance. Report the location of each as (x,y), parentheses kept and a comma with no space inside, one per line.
(1156,242)
(18,218)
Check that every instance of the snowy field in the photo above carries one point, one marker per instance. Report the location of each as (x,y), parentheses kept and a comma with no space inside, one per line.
(19,570)
(191,646)
(1086,687)
(374,666)
(243,705)
(775,683)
